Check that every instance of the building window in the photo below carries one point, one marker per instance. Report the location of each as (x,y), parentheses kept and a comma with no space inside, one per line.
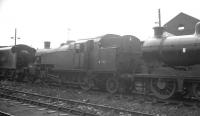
(181,27)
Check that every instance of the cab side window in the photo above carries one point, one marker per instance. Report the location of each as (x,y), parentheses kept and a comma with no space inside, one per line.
(79,47)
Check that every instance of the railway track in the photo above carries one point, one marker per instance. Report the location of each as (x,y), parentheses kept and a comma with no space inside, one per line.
(141,103)
(5,114)
(65,105)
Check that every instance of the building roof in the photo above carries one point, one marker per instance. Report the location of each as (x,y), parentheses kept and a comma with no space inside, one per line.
(182,24)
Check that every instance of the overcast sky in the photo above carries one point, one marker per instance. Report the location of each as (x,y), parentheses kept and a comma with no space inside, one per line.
(50,20)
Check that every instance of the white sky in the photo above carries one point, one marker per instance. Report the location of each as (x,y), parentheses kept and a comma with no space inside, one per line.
(48,20)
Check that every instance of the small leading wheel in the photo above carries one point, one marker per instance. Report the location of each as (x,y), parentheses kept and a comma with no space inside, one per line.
(112,85)
(196,90)
(163,88)
(87,84)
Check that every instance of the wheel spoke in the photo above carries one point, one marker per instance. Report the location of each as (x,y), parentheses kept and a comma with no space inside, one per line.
(168,91)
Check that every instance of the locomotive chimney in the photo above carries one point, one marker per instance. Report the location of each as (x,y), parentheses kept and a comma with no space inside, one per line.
(197,29)
(158,32)
(47,44)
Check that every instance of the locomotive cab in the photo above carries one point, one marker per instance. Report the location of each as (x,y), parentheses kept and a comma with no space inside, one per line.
(25,55)
(14,61)
(117,53)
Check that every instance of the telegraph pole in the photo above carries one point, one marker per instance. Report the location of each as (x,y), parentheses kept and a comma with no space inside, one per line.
(159,18)
(15,37)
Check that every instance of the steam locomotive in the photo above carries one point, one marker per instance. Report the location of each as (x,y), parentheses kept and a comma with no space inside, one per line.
(15,60)
(163,66)
(174,63)
(91,62)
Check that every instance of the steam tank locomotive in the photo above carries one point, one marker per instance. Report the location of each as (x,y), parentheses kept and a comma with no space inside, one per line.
(99,62)
(14,61)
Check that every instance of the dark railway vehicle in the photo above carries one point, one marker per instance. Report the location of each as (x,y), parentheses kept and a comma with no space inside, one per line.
(163,66)
(174,63)
(99,62)
(14,61)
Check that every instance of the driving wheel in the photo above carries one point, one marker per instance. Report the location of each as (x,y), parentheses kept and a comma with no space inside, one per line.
(163,88)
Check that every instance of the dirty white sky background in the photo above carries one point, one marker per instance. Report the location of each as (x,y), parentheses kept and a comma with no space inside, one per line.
(58,20)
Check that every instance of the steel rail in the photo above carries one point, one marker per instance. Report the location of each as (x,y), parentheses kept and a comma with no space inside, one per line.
(2,113)
(135,113)
(50,106)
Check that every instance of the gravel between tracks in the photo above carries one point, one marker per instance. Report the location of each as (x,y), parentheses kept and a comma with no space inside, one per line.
(134,102)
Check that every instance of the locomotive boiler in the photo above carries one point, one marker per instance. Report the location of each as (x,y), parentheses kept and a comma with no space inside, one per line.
(173,63)
(14,61)
(175,50)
